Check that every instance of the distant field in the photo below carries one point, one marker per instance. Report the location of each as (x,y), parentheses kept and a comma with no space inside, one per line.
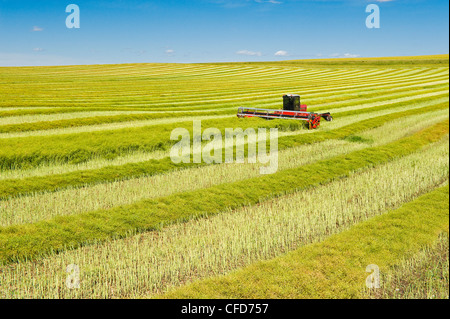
(86,179)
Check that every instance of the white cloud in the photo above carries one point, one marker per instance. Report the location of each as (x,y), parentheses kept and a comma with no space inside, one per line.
(38,49)
(281,53)
(349,55)
(170,51)
(37,29)
(250,53)
(345,55)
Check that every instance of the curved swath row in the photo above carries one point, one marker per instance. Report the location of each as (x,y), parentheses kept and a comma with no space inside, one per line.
(148,103)
(391,126)
(338,96)
(72,201)
(335,108)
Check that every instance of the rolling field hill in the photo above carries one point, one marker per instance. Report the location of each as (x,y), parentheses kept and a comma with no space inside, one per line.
(86,179)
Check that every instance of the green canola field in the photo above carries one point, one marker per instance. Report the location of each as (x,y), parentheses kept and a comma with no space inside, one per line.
(86,179)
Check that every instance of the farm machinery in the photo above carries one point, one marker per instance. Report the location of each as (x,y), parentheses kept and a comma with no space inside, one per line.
(292,109)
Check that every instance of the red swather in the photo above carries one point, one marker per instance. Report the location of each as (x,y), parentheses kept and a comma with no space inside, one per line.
(292,109)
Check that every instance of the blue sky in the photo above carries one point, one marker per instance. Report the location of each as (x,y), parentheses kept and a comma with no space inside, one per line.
(118,31)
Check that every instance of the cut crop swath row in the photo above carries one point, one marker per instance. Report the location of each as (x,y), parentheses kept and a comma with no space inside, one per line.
(146,75)
(424,99)
(398,128)
(382,98)
(336,267)
(335,101)
(155,262)
(67,94)
(256,99)
(168,70)
(203,116)
(352,129)
(152,102)
(91,94)
(257,91)
(417,97)
(49,125)
(348,99)
(336,95)
(11,188)
(423,276)
(6,112)
(372,107)
(42,238)
(77,148)
(407,62)
(33,118)
(74,200)
(324,95)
